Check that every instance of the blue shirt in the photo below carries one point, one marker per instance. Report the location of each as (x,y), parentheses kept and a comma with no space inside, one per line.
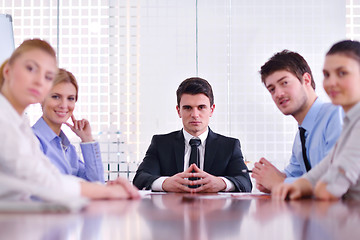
(323,125)
(63,154)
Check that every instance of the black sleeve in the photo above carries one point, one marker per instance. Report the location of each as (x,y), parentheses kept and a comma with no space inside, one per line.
(234,172)
(149,169)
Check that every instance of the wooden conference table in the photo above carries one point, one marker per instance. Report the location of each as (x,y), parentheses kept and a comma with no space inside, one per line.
(186,216)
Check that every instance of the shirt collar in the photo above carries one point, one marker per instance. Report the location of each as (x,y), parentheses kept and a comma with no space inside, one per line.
(308,123)
(202,137)
(65,141)
(42,127)
(353,113)
(11,113)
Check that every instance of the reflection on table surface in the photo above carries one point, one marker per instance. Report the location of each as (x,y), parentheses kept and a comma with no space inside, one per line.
(185,216)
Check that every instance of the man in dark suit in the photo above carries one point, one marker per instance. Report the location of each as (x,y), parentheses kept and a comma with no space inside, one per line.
(220,165)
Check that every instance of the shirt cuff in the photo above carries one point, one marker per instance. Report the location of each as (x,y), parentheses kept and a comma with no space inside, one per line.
(290,180)
(337,181)
(91,142)
(90,149)
(157,184)
(229,185)
(71,185)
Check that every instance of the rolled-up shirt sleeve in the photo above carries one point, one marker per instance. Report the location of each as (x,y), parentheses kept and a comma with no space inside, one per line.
(340,170)
(345,172)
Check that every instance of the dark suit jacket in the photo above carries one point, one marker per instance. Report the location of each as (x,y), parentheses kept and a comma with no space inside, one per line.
(165,157)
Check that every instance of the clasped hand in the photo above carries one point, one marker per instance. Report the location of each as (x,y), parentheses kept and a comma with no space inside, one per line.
(180,182)
(123,189)
(267,176)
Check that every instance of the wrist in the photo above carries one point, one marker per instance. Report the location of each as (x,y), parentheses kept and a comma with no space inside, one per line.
(87,139)
(223,184)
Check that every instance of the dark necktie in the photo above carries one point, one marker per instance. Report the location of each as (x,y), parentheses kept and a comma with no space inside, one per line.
(302,138)
(194,156)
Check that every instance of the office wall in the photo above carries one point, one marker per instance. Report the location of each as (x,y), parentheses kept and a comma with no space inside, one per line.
(234,39)
(130,56)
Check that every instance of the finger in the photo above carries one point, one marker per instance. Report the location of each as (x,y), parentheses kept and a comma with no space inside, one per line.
(200,174)
(257,163)
(110,182)
(189,169)
(262,188)
(183,181)
(76,124)
(85,123)
(201,181)
(183,188)
(73,119)
(196,169)
(275,193)
(184,175)
(70,126)
(257,166)
(294,195)
(202,188)
(134,192)
(129,188)
(81,124)
(181,178)
(255,170)
(264,161)
(255,175)
(284,193)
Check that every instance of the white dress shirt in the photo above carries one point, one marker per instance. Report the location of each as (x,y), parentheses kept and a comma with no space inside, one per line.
(22,158)
(157,184)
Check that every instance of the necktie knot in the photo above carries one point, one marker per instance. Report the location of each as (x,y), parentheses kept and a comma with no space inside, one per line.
(195,142)
(302,131)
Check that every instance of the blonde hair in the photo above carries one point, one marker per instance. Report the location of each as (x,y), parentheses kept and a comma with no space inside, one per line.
(64,76)
(1,72)
(26,46)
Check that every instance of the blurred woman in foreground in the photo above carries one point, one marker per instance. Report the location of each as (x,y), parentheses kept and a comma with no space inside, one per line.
(26,78)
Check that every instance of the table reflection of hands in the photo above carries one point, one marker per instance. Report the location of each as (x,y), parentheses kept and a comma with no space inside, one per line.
(192,204)
(39,226)
(190,216)
(266,209)
(111,207)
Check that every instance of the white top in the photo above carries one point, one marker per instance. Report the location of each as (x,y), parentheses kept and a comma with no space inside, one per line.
(341,168)
(157,184)
(22,158)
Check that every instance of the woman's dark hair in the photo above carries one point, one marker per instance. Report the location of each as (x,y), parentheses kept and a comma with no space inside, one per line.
(349,48)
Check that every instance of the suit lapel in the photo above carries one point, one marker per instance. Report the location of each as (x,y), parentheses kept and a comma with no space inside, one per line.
(179,151)
(210,150)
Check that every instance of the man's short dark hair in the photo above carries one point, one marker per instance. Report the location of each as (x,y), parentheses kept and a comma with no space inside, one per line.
(288,61)
(193,86)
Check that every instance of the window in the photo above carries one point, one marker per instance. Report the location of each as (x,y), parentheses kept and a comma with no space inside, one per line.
(130,56)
